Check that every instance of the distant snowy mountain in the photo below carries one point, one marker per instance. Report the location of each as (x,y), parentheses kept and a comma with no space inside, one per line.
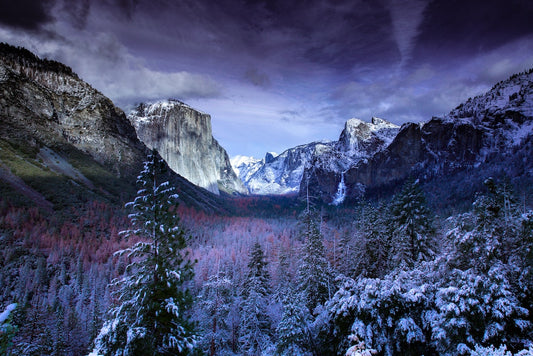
(283,174)
(245,166)
(489,135)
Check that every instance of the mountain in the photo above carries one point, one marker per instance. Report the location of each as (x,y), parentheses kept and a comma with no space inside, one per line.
(44,103)
(283,174)
(245,166)
(183,136)
(63,143)
(491,134)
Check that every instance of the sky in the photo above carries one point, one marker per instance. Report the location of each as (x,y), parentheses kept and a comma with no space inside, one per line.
(276,74)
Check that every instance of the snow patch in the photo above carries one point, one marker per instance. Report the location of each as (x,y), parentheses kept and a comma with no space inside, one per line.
(5,314)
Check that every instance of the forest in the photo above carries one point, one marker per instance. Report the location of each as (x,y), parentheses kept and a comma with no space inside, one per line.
(382,277)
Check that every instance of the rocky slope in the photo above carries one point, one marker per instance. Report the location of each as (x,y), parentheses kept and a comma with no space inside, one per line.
(183,137)
(283,174)
(488,135)
(63,143)
(44,103)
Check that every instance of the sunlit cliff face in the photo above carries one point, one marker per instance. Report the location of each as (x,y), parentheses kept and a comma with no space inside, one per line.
(184,139)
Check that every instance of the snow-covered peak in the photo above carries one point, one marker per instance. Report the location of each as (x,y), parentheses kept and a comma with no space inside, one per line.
(269,157)
(238,162)
(505,112)
(160,108)
(281,174)
(359,136)
(378,124)
(514,94)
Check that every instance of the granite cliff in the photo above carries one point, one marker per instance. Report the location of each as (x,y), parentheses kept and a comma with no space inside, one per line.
(491,134)
(183,137)
(43,103)
(63,143)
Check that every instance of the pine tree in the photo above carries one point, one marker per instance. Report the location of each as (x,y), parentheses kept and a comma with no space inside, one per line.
(375,241)
(215,300)
(411,225)
(314,275)
(255,322)
(292,331)
(491,233)
(151,316)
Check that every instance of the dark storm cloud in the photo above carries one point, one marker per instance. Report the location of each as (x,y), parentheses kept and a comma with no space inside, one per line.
(294,70)
(466,28)
(336,34)
(77,11)
(25,14)
(127,6)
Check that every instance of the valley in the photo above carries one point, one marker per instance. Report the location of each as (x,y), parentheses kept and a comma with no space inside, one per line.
(412,239)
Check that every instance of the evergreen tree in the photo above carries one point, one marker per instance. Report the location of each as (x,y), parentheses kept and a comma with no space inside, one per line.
(375,242)
(411,226)
(292,331)
(314,275)
(216,300)
(151,316)
(255,322)
(284,275)
(491,233)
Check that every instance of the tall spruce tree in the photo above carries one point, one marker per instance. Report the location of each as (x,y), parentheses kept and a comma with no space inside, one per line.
(314,274)
(374,240)
(412,226)
(255,335)
(150,318)
(292,331)
(216,300)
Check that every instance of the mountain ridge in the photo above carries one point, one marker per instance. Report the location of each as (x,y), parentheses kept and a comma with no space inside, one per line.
(282,174)
(484,133)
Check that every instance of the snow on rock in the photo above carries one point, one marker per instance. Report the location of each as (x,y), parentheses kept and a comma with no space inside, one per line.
(5,314)
(282,174)
(183,137)
(245,165)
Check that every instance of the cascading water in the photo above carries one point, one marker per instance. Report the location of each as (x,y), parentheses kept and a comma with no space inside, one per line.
(341,192)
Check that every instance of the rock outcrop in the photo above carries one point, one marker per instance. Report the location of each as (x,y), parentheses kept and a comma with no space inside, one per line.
(488,134)
(358,142)
(43,102)
(289,171)
(62,142)
(183,137)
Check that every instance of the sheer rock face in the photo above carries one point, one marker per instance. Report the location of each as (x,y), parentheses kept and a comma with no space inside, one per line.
(289,171)
(183,137)
(485,131)
(44,103)
(358,142)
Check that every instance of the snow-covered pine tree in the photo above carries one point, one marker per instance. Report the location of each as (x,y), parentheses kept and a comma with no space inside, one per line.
(315,280)
(216,299)
(293,329)
(374,240)
(151,315)
(411,225)
(255,334)
(491,233)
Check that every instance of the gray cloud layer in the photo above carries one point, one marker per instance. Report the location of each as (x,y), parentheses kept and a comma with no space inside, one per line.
(285,72)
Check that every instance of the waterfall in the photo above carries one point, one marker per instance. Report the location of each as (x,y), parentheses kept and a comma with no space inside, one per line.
(341,192)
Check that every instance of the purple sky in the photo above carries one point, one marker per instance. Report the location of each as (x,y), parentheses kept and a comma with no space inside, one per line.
(275,74)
